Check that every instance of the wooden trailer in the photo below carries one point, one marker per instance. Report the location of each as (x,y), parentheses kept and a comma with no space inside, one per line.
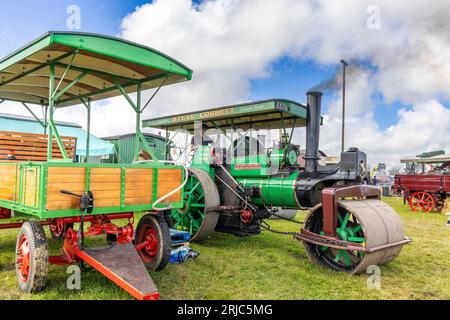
(425,191)
(39,179)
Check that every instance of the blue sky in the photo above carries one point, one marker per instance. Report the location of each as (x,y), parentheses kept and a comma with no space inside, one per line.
(288,79)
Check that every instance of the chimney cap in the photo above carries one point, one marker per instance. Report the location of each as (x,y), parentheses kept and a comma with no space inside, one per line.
(314,93)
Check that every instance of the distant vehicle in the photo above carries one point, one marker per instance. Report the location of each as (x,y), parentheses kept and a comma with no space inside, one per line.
(426,183)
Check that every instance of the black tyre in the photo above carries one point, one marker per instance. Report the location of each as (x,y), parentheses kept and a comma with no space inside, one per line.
(31,257)
(154,229)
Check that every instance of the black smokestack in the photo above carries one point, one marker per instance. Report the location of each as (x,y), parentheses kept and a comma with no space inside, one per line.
(313,120)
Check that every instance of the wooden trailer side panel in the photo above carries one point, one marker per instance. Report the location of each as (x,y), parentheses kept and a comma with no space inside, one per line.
(65,178)
(106,185)
(35,188)
(169,180)
(423,182)
(31,182)
(446,183)
(138,186)
(9,186)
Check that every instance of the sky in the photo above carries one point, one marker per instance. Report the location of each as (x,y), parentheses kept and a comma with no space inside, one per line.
(243,50)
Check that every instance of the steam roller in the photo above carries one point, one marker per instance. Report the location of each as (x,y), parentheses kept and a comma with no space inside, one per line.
(235,187)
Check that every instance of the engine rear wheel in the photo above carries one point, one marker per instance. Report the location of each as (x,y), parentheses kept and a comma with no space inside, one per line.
(198,216)
(371,223)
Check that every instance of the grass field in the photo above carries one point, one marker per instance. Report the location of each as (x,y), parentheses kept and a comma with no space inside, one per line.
(268,266)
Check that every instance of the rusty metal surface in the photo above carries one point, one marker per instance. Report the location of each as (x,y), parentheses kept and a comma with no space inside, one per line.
(330,202)
(124,262)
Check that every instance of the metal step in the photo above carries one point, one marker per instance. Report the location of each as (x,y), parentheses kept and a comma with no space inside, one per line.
(121,264)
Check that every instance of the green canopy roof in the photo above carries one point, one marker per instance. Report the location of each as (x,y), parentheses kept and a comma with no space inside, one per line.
(266,114)
(97,63)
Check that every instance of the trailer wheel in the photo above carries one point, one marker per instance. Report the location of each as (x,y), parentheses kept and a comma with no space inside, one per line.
(422,201)
(153,229)
(31,257)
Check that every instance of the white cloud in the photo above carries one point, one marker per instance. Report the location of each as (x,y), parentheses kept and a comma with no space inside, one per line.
(229,42)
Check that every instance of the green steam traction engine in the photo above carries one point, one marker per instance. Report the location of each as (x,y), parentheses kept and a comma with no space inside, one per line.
(233,187)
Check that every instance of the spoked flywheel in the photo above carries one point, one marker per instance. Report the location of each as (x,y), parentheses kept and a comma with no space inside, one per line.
(198,217)
(371,223)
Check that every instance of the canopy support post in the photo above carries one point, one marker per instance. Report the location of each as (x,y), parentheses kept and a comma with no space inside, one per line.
(292,131)
(45,118)
(168,142)
(53,131)
(88,138)
(137,138)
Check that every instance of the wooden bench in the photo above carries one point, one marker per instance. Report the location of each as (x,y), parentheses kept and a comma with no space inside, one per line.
(20,146)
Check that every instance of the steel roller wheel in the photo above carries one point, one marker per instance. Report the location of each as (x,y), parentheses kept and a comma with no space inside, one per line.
(198,217)
(369,222)
(422,201)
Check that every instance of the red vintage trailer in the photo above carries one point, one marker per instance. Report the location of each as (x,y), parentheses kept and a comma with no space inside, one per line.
(428,190)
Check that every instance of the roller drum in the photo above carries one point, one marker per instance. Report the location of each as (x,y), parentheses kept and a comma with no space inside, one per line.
(379,225)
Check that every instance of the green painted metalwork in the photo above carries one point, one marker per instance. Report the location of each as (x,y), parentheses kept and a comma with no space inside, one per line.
(347,231)
(275,190)
(233,115)
(190,217)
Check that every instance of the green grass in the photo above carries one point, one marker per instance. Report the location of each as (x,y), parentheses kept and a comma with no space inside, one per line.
(268,266)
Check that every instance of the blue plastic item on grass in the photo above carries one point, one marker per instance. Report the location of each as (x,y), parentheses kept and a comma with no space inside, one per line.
(182,254)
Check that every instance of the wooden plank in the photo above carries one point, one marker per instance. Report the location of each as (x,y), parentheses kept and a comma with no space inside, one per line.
(56,187)
(64,205)
(104,186)
(105,178)
(139,185)
(33,147)
(137,179)
(103,171)
(108,194)
(15,133)
(107,202)
(66,178)
(138,193)
(137,201)
(68,170)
